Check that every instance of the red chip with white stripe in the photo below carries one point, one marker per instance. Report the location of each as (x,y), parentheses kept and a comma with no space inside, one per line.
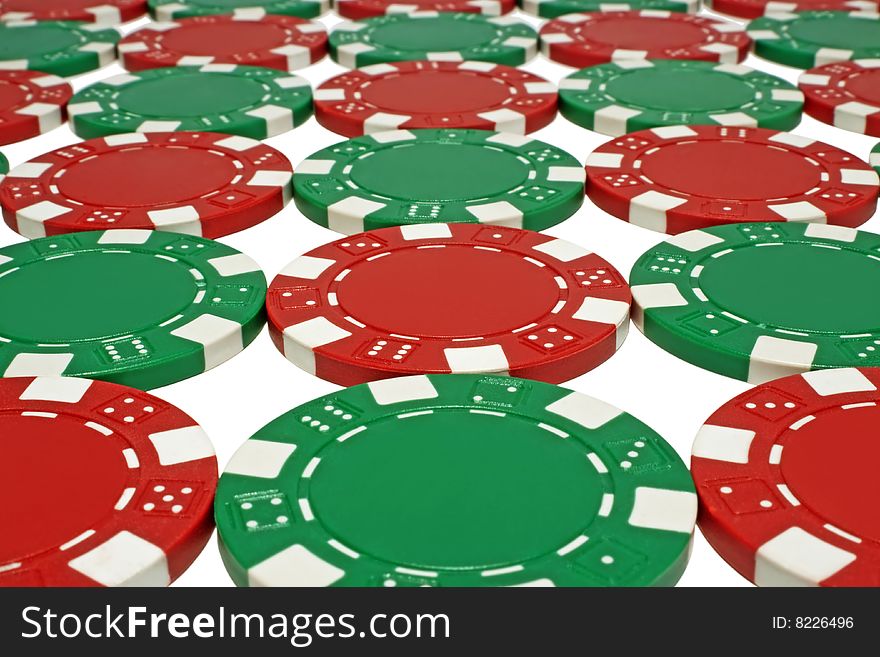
(104,485)
(428,94)
(582,40)
(198,183)
(786,474)
(679,178)
(31,103)
(845,95)
(286,43)
(448,298)
(103,12)
(757,8)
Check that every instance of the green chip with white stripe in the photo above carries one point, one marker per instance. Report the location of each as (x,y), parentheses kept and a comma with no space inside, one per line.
(455,480)
(759,301)
(404,177)
(57,47)
(631,95)
(136,307)
(250,101)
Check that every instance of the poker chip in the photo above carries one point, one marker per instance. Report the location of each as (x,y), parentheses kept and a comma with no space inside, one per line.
(359,9)
(814,38)
(31,103)
(421,94)
(845,95)
(720,300)
(875,158)
(785,475)
(250,101)
(59,48)
(4,165)
(478,299)
(412,178)
(756,8)
(166,10)
(554,8)
(433,36)
(629,95)
(198,183)
(582,40)
(119,485)
(685,177)
(282,42)
(135,307)
(104,12)
(455,481)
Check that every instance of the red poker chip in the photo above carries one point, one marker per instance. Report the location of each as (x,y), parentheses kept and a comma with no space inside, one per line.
(786,475)
(680,178)
(286,43)
(31,103)
(845,95)
(105,12)
(423,94)
(756,8)
(105,485)
(357,9)
(199,183)
(448,298)
(582,40)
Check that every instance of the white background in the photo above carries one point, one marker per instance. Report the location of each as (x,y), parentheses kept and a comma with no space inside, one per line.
(237,398)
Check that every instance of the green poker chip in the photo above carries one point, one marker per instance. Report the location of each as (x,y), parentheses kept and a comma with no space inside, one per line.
(56,47)
(761,301)
(874,158)
(166,10)
(813,38)
(455,480)
(135,307)
(249,101)
(4,165)
(427,35)
(632,95)
(554,8)
(427,176)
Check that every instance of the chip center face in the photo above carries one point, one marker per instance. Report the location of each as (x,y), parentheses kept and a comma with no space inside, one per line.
(430,172)
(34,41)
(63,494)
(73,298)
(866,85)
(841,32)
(439,34)
(673,90)
(190,95)
(455,291)
(796,286)
(219,39)
(428,92)
(455,489)
(629,32)
(830,465)
(143,176)
(731,170)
